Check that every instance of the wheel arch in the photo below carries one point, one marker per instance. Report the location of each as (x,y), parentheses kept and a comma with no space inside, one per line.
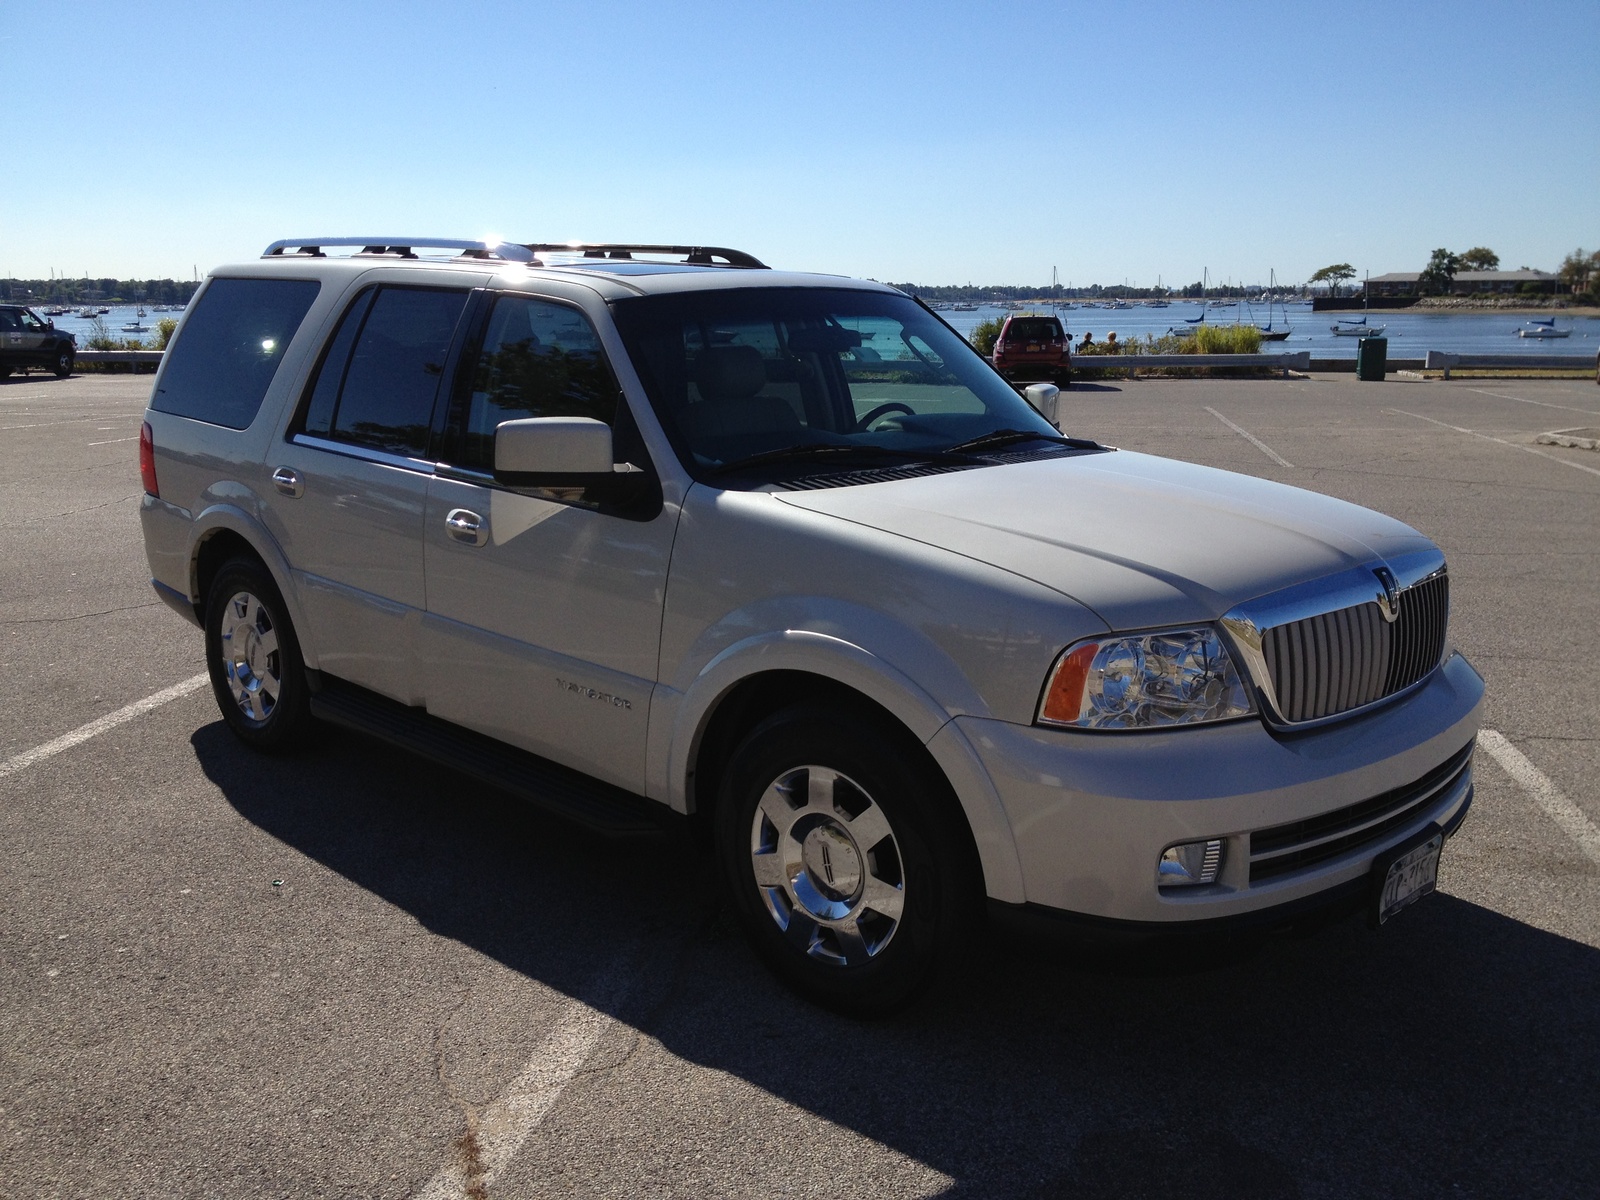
(224,532)
(747,683)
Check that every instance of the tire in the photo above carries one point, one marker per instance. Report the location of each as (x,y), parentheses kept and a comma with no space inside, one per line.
(845,859)
(257,673)
(1063,380)
(4,371)
(63,363)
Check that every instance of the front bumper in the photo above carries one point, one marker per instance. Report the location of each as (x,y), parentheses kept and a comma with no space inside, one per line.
(1091,812)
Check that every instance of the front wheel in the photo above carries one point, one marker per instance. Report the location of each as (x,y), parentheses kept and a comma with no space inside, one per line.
(844,859)
(63,364)
(254,659)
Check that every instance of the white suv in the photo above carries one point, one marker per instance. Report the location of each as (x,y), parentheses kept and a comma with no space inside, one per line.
(630,528)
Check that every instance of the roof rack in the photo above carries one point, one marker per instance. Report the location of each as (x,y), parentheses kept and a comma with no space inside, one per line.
(700,256)
(401,247)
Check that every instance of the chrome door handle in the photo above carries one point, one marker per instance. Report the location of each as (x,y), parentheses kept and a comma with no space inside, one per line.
(288,481)
(466,526)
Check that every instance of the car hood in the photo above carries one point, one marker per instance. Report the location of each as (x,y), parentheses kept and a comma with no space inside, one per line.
(1142,541)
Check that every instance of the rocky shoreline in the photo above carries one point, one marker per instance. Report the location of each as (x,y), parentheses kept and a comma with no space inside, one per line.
(1509,304)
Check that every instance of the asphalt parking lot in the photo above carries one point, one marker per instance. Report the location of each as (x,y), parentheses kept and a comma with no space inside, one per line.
(352,974)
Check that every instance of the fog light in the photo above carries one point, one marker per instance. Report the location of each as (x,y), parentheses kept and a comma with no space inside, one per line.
(1189,864)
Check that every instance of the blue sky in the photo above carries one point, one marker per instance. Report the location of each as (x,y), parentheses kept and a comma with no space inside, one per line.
(936,143)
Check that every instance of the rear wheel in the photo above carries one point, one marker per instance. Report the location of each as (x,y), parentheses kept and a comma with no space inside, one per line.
(843,859)
(254,659)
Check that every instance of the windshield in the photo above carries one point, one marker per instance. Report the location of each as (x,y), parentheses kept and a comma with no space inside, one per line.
(835,376)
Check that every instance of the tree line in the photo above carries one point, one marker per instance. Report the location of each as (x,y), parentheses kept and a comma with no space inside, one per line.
(82,291)
(1580,270)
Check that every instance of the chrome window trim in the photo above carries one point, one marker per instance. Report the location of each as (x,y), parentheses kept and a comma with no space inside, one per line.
(1246,624)
(366,453)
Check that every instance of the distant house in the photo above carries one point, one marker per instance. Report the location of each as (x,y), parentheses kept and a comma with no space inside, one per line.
(1466,283)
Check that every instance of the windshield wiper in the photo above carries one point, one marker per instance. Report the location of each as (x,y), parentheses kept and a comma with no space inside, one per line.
(1008,437)
(811,450)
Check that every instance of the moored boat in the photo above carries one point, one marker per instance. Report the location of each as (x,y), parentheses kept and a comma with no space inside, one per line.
(1543,329)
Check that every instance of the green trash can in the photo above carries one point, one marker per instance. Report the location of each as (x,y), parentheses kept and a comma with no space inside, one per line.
(1372,357)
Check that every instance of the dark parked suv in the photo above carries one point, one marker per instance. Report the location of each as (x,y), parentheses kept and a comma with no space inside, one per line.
(1033,347)
(27,341)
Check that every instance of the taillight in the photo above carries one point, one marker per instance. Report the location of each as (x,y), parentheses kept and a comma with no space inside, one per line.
(147,460)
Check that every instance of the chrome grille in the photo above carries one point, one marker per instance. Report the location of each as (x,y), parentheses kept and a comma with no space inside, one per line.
(1337,661)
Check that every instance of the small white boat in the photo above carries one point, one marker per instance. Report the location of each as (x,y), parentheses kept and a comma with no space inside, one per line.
(137,325)
(1357,329)
(1543,329)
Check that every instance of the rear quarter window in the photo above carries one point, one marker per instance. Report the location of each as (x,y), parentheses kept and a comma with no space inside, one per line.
(220,366)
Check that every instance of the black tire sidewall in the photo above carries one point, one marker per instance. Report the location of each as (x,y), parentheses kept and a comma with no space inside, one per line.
(63,364)
(286,726)
(915,804)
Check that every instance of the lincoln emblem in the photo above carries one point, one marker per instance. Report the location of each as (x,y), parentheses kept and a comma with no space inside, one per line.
(1389,598)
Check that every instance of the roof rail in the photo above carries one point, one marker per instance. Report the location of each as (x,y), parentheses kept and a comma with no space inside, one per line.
(703,256)
(311,247)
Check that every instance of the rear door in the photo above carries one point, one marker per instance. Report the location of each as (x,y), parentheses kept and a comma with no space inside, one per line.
(352,482)
(544,610)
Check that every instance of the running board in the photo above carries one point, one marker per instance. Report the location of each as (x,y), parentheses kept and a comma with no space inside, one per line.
(599,807)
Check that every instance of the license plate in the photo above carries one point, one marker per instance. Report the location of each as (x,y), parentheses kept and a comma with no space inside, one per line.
(1033,347)
(1410,877)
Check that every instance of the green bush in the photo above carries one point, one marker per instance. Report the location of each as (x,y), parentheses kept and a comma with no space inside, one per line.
(100,337)
(165,328)
(985,334)
(1225,339)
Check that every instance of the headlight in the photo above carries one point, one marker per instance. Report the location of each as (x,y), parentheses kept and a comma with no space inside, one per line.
(1180,677)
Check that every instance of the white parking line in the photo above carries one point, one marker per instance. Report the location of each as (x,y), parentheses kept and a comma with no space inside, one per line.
(498,1131)
(1472,433)
(114,441)
(99,725)
(1542,403)
(1252,439)
(1545,794)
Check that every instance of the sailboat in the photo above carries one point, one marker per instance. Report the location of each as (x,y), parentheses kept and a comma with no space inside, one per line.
(137,325)
(1543,329)
(1356,327)
(1268,333)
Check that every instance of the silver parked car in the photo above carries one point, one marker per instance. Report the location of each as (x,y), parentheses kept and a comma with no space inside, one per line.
(635,528)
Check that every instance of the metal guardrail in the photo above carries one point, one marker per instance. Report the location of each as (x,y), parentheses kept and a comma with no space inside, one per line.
(1295,360)
(119,356)
(1441,360)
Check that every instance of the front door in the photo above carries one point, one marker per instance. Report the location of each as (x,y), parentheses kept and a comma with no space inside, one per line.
(544,613)
(31,335)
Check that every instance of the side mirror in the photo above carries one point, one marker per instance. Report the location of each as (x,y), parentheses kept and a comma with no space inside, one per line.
(1046,398)
(552,452)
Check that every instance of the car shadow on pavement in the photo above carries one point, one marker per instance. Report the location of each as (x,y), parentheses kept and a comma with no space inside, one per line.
(1455,1053)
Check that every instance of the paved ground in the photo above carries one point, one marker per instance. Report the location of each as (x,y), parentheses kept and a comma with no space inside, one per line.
(444,988)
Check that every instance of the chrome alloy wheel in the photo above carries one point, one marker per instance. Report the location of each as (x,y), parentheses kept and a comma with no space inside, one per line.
(827,864)
(250,657)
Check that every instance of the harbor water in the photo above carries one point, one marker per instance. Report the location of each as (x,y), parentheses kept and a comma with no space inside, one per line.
(1411,333)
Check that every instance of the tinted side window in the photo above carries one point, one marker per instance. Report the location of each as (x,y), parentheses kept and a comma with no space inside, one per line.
(539,359)
(219,368)
(386,400)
